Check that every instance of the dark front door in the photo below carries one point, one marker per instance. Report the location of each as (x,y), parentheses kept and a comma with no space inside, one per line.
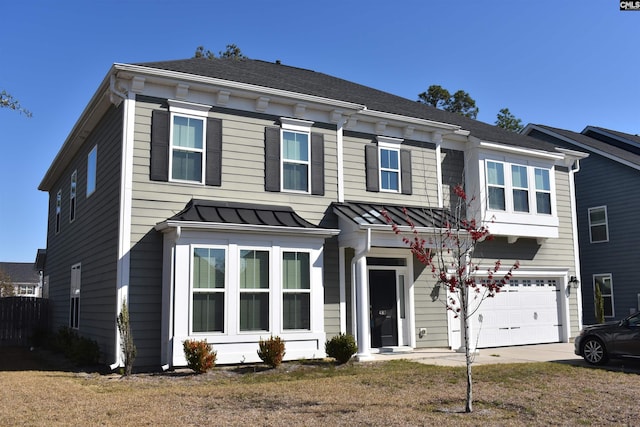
(384,316)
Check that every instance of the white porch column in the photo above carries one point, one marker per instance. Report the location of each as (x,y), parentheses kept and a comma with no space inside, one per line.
(362,308)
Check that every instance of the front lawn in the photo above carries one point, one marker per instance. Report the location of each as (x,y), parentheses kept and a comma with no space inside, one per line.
(395,393)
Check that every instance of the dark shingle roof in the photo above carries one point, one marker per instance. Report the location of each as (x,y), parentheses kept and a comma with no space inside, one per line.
(371,214)
(21,272)
(595,144)
(277,76)
(621,135)
(198,210)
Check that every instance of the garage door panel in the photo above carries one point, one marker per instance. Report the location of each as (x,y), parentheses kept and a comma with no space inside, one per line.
(519,315)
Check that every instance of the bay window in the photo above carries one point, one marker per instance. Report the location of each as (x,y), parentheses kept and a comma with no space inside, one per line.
(296,291)
(209,283)
(518,188)
(254,290)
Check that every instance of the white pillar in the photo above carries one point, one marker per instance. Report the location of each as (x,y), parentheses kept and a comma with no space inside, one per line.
(362,308)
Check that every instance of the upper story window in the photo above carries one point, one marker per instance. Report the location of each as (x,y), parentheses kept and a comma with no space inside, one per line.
(495,185)
(186,145)
(543,191)
(389,169)
(294,158)
(598,224)
(295,161)
(518,188)
(187,148)
(388,166)
(58,209)
(92,161)
(72,196)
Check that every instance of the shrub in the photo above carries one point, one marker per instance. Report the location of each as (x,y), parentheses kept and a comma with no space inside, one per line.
(126,339)
(200,357)
(341,347)
(271,351)
(78,349)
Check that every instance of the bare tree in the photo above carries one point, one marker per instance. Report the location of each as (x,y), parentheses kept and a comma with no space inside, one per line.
(8,101)
(448,253)
(6,285)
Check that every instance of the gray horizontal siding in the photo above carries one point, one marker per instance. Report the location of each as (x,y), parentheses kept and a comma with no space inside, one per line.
(424,175)
(91,239)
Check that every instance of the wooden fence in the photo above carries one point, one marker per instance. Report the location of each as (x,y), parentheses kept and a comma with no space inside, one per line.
(21,318)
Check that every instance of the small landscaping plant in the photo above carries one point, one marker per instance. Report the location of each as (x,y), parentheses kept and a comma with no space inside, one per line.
(271,351)
(200,357)
(341,347)
(80,350)
(126,339)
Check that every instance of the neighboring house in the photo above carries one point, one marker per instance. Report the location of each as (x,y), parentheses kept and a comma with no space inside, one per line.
(24,277)
(231,200)
(606,212)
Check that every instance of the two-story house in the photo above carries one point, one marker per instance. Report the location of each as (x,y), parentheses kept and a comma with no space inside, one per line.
(231,200)
(606,210)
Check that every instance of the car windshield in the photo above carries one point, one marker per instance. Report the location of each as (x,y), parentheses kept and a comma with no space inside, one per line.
(634,320)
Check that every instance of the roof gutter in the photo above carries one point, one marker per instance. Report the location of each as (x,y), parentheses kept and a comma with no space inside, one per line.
(213,81)
(169,225)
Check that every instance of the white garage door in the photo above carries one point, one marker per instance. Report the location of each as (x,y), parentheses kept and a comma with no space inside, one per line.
(525,312)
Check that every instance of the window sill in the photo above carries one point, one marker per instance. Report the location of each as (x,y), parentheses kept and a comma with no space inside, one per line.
(522,225)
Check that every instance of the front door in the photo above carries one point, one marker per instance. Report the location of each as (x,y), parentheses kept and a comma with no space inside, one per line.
(383,306)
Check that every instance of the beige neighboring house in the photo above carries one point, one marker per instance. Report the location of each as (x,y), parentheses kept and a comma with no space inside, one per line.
(26,279)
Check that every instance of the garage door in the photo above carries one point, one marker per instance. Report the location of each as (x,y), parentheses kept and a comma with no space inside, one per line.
(525,312)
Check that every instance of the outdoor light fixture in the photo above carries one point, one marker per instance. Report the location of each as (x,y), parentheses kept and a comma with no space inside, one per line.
(573,281)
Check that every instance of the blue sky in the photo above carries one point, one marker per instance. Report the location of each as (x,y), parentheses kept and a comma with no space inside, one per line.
(561,63)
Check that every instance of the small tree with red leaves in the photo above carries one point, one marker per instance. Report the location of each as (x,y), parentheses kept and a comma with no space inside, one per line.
(447,252)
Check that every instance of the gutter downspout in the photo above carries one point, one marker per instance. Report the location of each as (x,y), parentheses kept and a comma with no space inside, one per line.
(124,230)
(359,288)
(576,246)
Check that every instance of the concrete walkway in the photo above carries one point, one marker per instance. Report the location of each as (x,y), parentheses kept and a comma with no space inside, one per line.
(516,354)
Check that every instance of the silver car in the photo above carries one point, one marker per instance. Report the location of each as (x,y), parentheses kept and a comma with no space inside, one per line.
(611,340)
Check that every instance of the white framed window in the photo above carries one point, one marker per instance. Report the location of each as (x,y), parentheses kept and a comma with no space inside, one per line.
(74,296)
(92,162)
(187,148)
(605,283)
(209,283)
(598,224)
(296,164)
(495,185)
(26,290)
(296,290)
(295,161)
(58,210)
(389,169)
(518,188)
(73,191)
(254,290)
(543,190)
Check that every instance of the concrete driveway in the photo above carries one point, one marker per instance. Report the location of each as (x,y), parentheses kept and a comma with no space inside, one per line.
(557,352)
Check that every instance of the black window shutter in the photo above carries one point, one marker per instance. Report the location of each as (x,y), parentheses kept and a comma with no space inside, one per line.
(371,165)
(214,152)
(317,164)
(159,145)
(272,159)
(405,171)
